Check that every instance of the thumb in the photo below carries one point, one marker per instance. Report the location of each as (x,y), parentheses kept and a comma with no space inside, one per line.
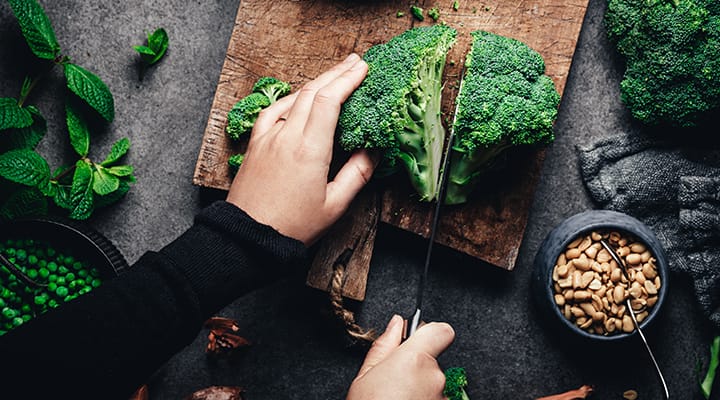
(384,345)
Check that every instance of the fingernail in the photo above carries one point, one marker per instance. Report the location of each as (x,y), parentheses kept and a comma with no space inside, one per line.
(351,58)
(358,65)
(396,319)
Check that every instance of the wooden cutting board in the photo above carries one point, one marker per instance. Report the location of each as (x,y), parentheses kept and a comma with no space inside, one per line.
(297,40)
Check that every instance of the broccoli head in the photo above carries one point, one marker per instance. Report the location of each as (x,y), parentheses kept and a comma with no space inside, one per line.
(455,383)
(271,87)
(397,106)
(672,52)
(242,116)
(235,161)
(505,100)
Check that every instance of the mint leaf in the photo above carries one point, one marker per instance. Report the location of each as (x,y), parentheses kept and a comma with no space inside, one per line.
(117,152)
(25,138)
(25,202)
(25,167)
(103,201)
(81,193)
(36,27)
(147,54)
(12,115)
(90,88)
(103,181)
(78,130)
(62,197)
(121,170)
(158,42)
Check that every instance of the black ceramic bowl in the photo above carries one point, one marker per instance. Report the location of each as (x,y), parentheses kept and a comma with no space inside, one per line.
(77,239)
(557,241)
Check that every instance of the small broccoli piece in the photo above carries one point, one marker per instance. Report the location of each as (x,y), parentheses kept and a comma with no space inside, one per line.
(417,12)
(455,384)
(271,87)
(244,113)
(672,54)
(235,161)
(434,13)
(505,100)
(397,106)
(400,14)
(456,5)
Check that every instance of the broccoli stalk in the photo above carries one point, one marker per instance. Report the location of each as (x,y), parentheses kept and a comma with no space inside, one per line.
(244,113)
(397,107)
(505,100)
(455,383)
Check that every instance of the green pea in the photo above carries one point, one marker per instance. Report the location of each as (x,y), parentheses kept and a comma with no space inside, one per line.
(77,265)
(61,280)
(41,299)
(52,303)
(70,276)
(32,259)
(43,272)
(69,260)
(52,286)
(61,291)
(17,321)
(29,242)
(6,293)
(96,282)
(21,255)
(42,263)
(2,332)
(8,313)
(2,303)
(52,266)
(51,252)
(82,273)
(52,278)
(31,273)
(62,270)
(25,309)
(10,252)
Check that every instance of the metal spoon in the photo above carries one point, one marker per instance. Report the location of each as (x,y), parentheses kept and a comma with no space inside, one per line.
(623,267)
(18,273)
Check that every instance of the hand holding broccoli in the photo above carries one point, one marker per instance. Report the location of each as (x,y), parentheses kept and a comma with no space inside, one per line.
(283,181)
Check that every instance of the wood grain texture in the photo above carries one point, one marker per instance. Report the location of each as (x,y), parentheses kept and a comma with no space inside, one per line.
(297,40)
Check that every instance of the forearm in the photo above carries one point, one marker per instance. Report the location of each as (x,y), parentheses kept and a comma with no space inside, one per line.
(113,338)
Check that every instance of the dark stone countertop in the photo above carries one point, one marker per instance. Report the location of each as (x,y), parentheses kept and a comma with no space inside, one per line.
(298,352)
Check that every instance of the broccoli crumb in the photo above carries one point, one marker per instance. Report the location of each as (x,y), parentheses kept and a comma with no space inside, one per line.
(456,5)
(400,14)
(417,12)
(474,10)
(434,13)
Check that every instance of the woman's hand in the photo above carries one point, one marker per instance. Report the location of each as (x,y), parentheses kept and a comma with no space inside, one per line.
(283,180)
(407,371)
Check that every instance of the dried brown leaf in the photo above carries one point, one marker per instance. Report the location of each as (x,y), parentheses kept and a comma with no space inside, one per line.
(140,394)
(217,393)
(223,338)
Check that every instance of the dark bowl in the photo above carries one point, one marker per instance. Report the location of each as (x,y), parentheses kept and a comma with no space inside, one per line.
(557,241)
(71,236)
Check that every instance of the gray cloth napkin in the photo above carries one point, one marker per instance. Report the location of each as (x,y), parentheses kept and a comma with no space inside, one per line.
(675,190)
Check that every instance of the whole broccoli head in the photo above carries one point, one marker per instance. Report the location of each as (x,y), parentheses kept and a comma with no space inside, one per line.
(271,87)
(672,51)
(455,383)
(242,116)
(397,106)
(505,100)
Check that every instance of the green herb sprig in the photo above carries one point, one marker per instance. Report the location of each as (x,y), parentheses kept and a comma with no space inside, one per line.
(26,179)
(707,383)
(157,44)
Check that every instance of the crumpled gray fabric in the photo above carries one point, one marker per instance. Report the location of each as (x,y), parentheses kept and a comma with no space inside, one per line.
(675,190)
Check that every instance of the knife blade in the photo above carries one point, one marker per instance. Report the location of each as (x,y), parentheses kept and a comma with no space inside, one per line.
(442,185)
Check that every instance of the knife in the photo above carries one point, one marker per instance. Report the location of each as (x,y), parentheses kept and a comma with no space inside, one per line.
(412,326)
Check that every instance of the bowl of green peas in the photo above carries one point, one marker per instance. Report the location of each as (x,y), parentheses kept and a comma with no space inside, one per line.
(47,262)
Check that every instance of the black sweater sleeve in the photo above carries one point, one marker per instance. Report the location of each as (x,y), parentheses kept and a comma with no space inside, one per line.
(108,342)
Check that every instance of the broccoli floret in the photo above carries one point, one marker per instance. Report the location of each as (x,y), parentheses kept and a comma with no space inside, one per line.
(417,12)
(455,383)
(672,52)
(235,161)
(397,107)
(271,87)
(434,13)
(505,100)
(244,113)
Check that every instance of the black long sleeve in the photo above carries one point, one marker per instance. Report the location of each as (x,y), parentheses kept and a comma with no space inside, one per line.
(108,342)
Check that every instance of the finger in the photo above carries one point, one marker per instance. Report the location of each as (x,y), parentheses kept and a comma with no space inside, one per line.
(300,111)
(432,338)
(320,127)
(352,177)
(384,345)
(270,116)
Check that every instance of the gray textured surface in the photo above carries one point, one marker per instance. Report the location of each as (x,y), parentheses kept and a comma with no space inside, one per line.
(298,353)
